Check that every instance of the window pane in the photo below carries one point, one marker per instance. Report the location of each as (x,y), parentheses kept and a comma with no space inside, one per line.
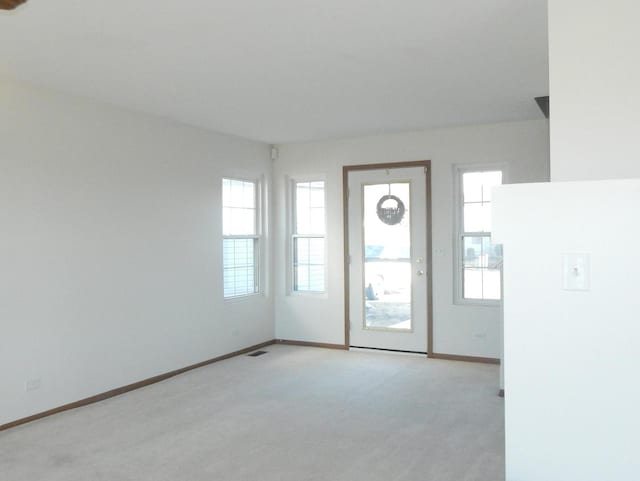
(308,252)
(481,283)
(301,251)
(309,208)
(309,278)
(226,191)
(492,254)
(239,213)
(491,284)
(316,278)
(480,252)
(302,205)
(226,221)
(303,197)
(472,251)
(303,224)
(238,221)
(476,192)
(387,264)
(476,186)
(316,194)
(308,262)
(302,278)
(239,262)
(472,283)
(316,221)
(472,186)
(236,194)
(481,260)
(248,195)
(244,221)
(477,217)
(316,251)
(489,181)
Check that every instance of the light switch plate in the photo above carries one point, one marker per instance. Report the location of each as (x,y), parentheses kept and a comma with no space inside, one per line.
(576,272)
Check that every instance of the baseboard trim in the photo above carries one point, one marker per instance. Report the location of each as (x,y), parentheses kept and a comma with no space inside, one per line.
(455,357)
(324,345)
(130,387)
(161,377)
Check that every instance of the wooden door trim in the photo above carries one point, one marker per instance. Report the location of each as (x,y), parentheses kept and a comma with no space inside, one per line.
(345,217)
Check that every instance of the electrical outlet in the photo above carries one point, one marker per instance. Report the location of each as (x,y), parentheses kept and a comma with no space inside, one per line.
(32,384)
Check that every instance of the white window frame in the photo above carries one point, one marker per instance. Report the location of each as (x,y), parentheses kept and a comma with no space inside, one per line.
(257,237)
(458,277)
(293,235)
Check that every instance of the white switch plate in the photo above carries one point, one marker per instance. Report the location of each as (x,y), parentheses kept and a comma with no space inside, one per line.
(576,272)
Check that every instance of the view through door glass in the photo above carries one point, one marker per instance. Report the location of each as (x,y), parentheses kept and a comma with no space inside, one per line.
(387,256)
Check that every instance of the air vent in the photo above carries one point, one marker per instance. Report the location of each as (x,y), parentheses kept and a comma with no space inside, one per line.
(257,353)
(543,103)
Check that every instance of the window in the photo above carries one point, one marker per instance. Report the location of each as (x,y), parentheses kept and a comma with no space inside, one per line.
(308,241)
(241,239)
(479,260)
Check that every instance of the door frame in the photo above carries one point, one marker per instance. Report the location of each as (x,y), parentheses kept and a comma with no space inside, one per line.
(345,216)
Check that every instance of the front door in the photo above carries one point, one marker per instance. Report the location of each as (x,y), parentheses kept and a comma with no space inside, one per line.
(387,255)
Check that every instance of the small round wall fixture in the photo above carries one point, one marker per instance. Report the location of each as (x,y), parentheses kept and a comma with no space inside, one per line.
(390,209)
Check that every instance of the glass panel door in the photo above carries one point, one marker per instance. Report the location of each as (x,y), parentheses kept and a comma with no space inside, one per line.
(387,255)
(387,261)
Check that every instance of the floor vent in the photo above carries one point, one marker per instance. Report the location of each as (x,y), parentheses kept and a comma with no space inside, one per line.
(257,353)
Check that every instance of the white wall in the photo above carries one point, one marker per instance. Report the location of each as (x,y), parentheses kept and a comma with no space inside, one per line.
(110,248)
(594,89)
(462,330)
(571,379)
(571,357)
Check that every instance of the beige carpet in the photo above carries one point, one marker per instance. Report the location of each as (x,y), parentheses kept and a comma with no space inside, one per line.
(294,414)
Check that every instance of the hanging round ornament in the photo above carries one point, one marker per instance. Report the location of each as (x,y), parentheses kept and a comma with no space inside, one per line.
(390,209)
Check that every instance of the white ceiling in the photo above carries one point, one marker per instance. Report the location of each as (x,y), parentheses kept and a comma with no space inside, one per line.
(289,70)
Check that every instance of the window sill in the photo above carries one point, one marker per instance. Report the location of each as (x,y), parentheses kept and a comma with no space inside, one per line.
(244,297)
(308,294)
(477,303)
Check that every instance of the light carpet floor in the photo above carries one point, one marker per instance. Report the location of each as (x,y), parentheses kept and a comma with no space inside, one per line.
(294,414)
